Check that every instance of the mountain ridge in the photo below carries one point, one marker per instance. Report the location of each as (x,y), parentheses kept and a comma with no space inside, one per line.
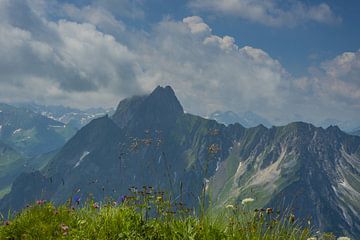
(137,146)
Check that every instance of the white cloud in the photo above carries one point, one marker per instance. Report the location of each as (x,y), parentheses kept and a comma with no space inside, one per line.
(269,12)
(339,79)
(210,70)
(196,25)
(90,58)
(74,57)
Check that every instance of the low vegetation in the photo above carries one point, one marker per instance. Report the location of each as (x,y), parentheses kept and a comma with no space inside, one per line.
(147,214)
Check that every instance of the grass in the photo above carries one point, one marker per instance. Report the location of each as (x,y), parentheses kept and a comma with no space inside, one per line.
(146,214)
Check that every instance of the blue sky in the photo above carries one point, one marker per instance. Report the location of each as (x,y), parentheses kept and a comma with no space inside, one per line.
(283,59)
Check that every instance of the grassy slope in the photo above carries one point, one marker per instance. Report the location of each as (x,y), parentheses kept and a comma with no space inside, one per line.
(148,214)
(126,222)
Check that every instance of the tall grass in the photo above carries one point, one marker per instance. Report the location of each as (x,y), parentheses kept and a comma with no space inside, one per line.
(146,214)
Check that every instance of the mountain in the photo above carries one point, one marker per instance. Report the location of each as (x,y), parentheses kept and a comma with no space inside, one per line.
(315,171)
(347,126)
(246,119)
(356,132)
(151,141)
(71,116)
(11,164)
(30,133)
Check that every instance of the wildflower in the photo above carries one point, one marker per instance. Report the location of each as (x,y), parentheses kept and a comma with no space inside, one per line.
(344,238)
(159,198)
(247,200)
(269,210)
(64,228)
(7,223)
(292,218)
(96,205)
(230,206)
(40,202)
(312,238)
(76,199)
(214,148)
(121,199)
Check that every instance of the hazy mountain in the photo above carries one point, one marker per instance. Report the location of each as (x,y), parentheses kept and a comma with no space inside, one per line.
(71,116)
(30,133)
(11,164)
(246,119)
(151,141)
(356,132)
(347,126)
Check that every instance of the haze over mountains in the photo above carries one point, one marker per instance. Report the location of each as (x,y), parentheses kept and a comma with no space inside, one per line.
(71,116)
(149,140)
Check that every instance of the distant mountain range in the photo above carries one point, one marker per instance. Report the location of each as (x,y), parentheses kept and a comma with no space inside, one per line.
(31,133)
(151,141)
(246,119)
(356,132)
(27,140)
(71,116)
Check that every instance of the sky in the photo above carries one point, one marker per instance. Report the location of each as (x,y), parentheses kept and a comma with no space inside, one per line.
(285,60)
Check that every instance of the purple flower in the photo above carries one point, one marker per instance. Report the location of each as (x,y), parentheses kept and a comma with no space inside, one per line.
(76,199)
(121,199)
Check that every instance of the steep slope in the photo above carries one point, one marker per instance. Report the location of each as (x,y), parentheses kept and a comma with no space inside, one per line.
(151,141)
(314,171)
(11,164)
(30,133)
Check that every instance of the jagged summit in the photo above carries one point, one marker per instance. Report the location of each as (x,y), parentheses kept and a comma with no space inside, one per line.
(160,107)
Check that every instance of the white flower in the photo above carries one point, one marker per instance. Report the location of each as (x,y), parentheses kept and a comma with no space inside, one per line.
(312,238)
(230,206)
(247,200)
(344,238)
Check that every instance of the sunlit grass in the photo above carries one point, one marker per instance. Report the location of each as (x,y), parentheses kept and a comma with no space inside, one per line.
(146,214)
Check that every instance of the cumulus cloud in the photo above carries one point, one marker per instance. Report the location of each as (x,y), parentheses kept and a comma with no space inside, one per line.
(88,57)
(269,12)
(336,80)
(210,70)
(74,57)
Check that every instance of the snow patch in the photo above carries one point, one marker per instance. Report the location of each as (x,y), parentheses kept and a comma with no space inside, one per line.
(16,131)
(85,153)
(217,165)
(57,126)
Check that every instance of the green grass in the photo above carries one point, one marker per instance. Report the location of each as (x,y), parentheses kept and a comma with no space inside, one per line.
(146,214)
(126,222)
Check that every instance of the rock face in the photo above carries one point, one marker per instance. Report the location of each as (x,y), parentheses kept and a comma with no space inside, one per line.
(151,141)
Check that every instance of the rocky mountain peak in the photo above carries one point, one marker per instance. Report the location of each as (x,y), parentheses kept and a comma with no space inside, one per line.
(160,107)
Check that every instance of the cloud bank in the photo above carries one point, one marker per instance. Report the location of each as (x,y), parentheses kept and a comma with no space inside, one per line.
(269,12)
(88,57)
